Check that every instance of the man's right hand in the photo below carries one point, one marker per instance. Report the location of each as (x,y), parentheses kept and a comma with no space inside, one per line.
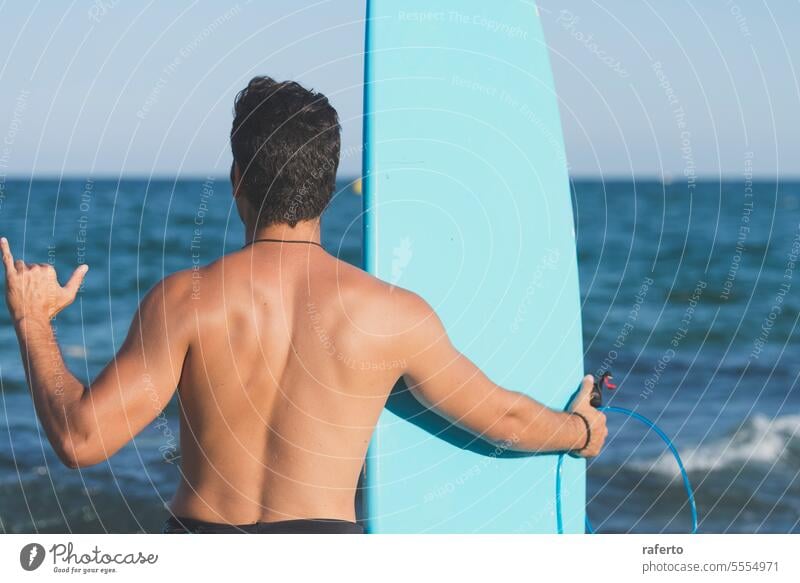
(597,420)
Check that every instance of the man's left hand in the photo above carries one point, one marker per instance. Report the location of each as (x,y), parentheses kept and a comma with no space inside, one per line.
(32,289)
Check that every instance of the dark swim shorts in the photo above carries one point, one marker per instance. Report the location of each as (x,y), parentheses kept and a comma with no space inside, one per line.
(178,525)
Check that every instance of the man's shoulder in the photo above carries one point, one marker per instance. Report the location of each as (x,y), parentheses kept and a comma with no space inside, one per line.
(170,293)
(394,309)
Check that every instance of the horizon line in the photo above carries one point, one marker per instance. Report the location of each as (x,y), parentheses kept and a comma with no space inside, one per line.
(194,177)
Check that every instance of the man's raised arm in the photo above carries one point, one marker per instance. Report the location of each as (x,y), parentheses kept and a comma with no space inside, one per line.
(86,425)
(446,381)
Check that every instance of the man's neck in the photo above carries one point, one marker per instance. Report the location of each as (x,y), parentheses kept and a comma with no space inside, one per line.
(303,231)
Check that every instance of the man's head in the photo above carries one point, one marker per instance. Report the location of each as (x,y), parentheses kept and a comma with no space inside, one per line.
(285,143)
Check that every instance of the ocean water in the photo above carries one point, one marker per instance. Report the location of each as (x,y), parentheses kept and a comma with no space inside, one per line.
(689,295)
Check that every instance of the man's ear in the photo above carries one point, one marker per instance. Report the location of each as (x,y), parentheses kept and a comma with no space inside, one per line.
(236,178)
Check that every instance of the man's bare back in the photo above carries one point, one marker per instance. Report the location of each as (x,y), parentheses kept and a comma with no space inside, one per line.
(290,362)
(283,356)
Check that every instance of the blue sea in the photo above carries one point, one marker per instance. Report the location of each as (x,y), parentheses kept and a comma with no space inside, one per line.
(689,292)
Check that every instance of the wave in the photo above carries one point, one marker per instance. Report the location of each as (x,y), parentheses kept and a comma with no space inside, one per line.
(759,440)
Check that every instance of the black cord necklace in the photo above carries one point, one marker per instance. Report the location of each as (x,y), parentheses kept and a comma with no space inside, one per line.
(284,241)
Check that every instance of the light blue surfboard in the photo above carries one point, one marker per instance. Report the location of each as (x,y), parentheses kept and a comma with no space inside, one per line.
(467,203)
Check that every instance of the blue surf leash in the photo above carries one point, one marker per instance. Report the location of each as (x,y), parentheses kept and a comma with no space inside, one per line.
(596,402)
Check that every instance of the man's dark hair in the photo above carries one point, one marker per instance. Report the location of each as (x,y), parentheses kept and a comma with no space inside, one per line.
(285,141)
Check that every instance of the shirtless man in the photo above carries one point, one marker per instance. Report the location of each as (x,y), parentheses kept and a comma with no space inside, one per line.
(274,424)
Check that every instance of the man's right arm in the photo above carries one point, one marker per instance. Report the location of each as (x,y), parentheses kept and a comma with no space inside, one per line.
(445,380)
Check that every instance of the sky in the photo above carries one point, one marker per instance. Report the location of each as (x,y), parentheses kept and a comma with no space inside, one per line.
(646,89)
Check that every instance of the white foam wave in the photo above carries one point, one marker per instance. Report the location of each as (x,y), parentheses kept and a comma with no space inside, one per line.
(759,440)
